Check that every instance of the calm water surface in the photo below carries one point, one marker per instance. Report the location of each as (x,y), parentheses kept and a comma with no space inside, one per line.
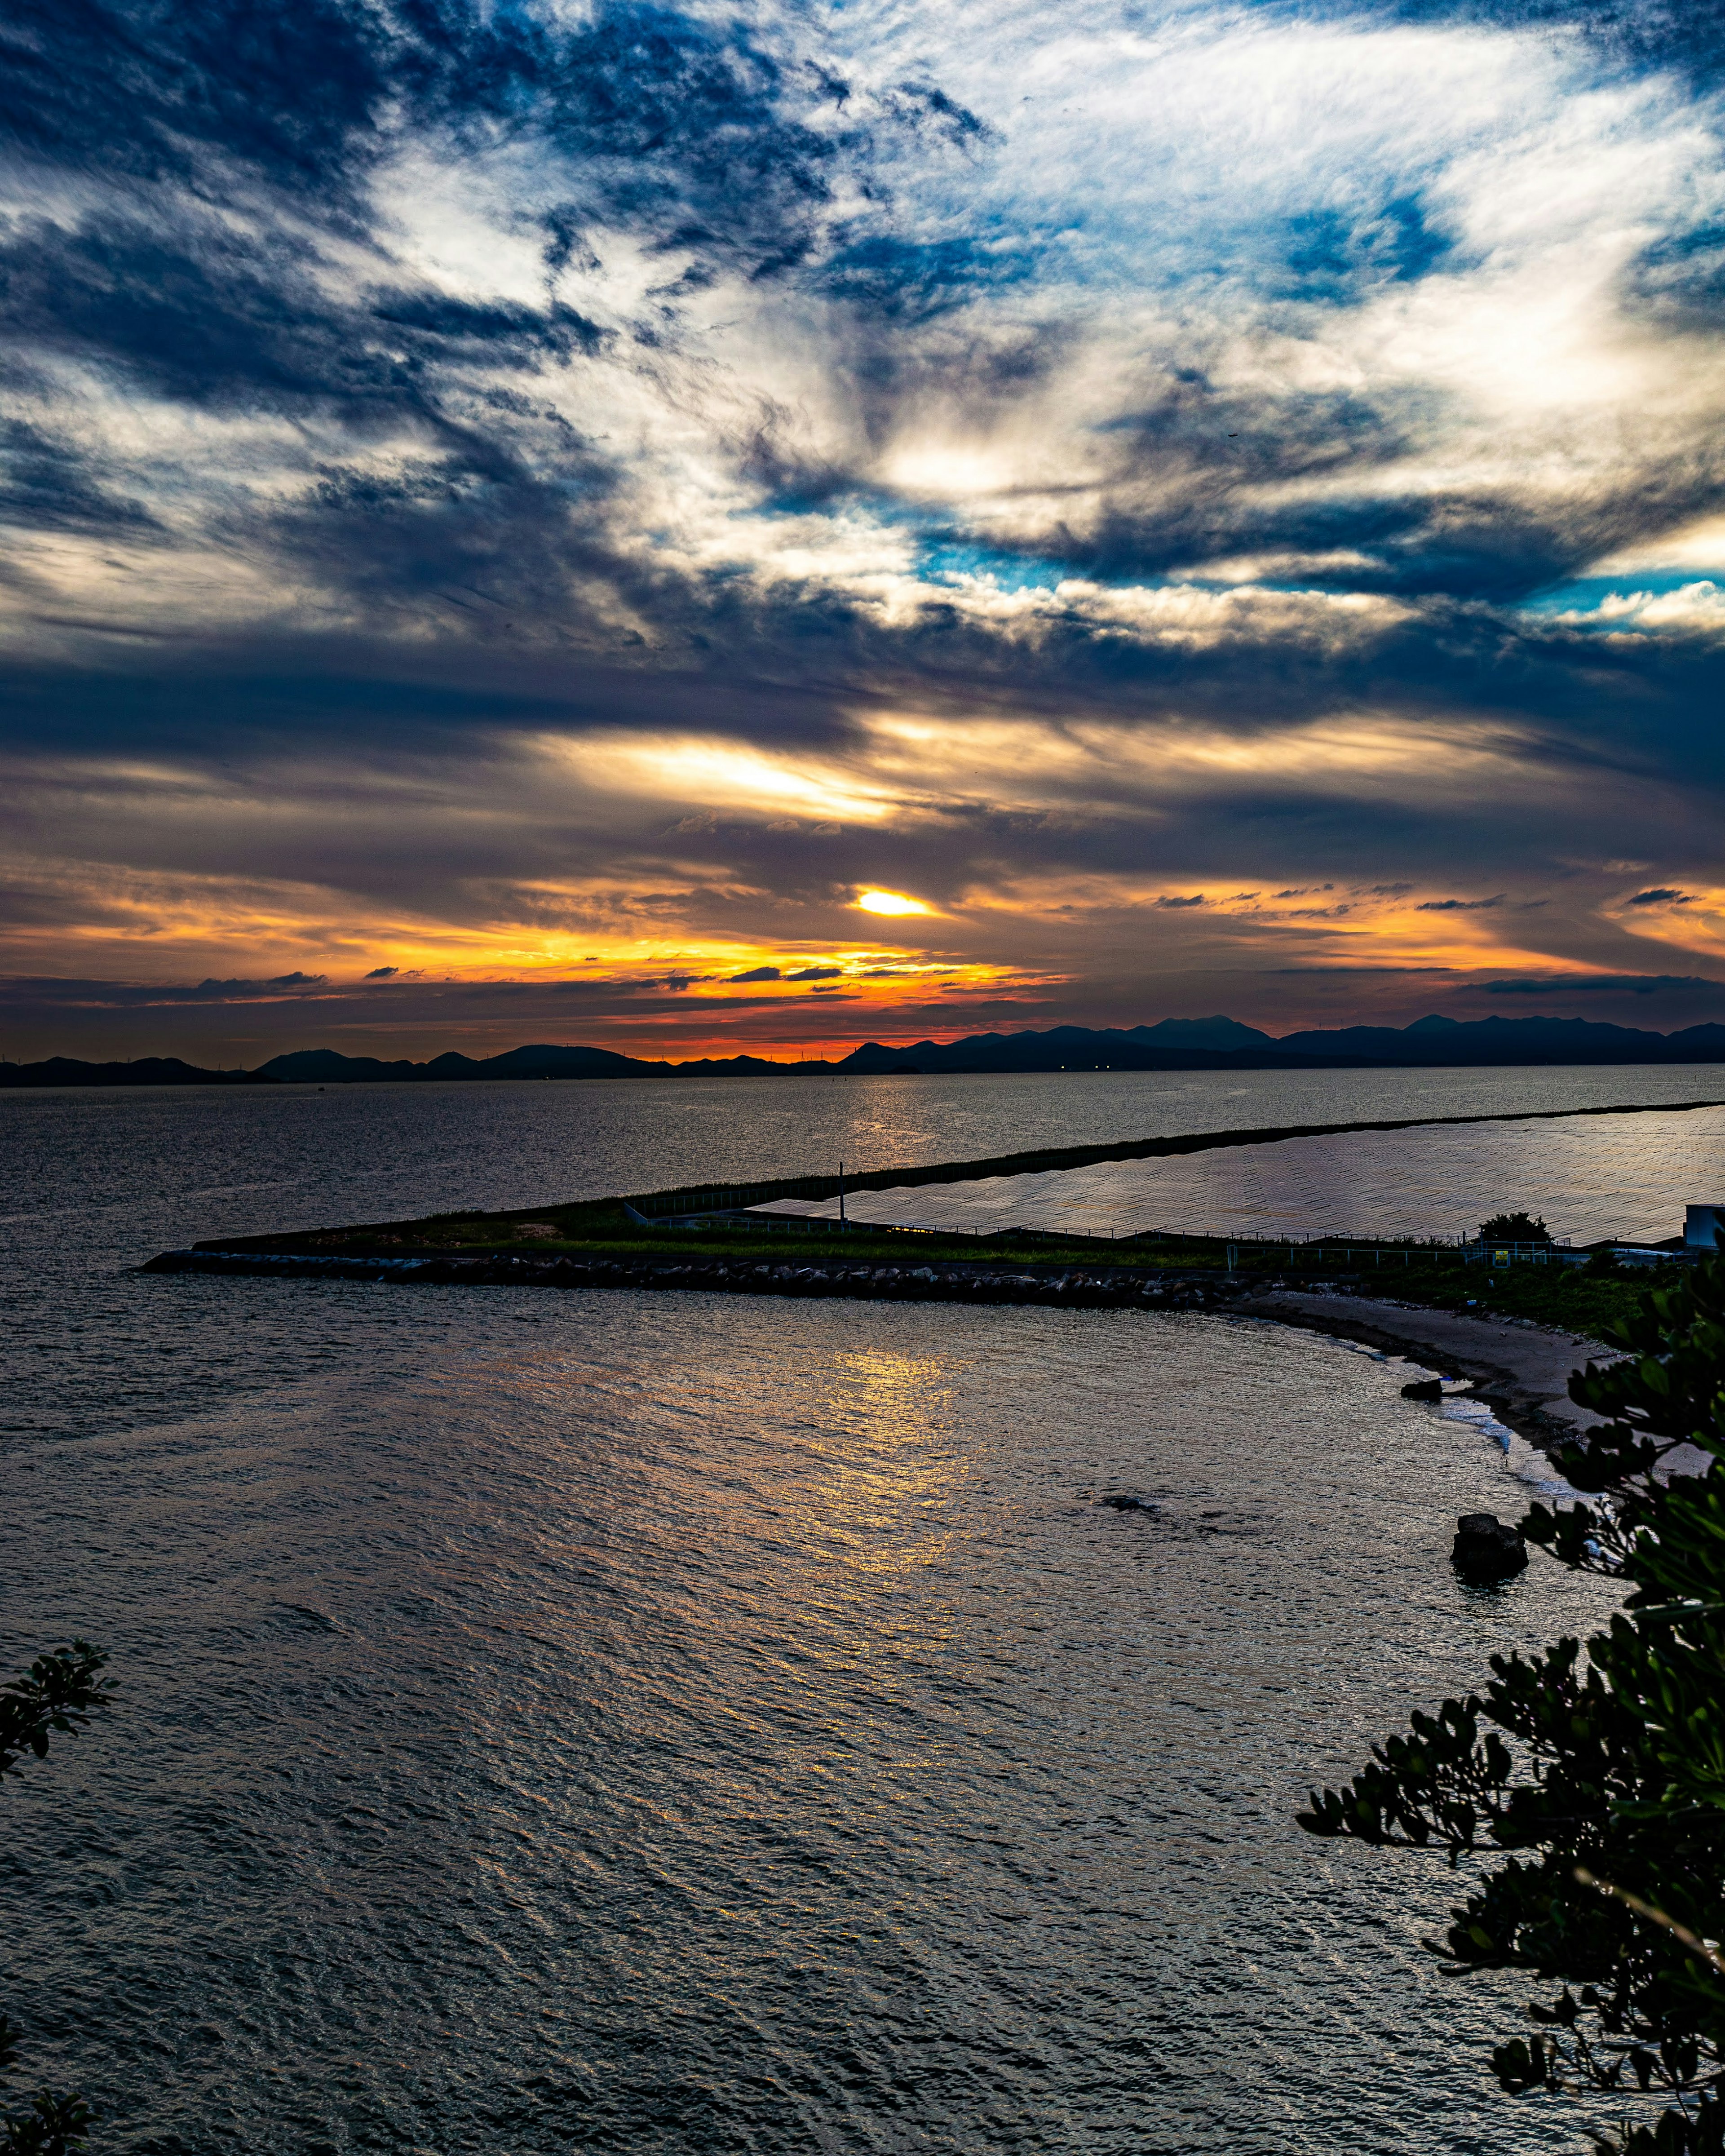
(681,1723)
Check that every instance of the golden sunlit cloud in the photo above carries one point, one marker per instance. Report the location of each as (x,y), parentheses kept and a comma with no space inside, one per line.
(719,774)
(891,901)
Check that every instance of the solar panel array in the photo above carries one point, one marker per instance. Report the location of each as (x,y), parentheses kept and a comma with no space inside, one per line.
(1623,1177)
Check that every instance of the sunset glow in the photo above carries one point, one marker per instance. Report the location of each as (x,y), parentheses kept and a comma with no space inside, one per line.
(890,902)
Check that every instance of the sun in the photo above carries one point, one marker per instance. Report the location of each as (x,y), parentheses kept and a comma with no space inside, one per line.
(891,901)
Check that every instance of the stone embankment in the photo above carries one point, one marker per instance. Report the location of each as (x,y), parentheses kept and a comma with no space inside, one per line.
(1065,1286)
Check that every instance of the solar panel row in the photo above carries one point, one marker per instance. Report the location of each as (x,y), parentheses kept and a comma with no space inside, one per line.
(1592,1176)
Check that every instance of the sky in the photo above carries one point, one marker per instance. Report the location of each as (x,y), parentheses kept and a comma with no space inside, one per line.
(708,528)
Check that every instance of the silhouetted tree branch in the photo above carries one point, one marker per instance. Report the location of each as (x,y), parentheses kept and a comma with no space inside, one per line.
(56,1697)
(1601,1772)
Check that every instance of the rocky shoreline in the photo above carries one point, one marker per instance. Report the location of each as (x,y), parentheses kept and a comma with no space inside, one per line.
(1066,1286)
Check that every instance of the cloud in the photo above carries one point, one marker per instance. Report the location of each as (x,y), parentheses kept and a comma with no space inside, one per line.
(816,974)
(1686,985)
(67,994)
(504,485)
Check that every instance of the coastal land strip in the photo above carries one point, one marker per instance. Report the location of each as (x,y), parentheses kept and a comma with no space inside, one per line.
(1518,1362)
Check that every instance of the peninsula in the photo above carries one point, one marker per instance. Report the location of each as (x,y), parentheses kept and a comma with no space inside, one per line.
(1508,1330)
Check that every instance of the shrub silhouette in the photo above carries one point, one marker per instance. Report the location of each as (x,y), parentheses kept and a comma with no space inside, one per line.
(1513,1228)
(56,1695)
(1600,1773)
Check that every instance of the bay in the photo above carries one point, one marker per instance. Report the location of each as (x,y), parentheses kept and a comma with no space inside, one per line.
(677,1724)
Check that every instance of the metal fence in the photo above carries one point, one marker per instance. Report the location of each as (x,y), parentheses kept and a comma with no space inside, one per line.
(728,1207)
(1480,1251)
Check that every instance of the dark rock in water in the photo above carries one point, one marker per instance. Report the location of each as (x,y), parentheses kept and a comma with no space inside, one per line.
(1486,1549)
(1425,1389)
(1134,1505)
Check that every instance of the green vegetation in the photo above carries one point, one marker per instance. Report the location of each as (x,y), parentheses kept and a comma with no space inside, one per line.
(603,1227)
(1513,1228)
(1599,1774)
(619,1237)
(1588,1299)
(56,1695)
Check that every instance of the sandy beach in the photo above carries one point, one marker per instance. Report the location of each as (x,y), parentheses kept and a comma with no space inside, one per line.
(1520,1370)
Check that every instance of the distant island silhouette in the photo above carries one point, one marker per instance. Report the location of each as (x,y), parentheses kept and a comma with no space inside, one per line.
(1205,1044)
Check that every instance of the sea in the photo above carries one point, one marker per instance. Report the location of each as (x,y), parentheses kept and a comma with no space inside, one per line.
(683,1724)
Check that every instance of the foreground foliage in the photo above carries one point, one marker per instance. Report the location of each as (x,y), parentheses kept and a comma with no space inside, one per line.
(1572,1298)
(1600,1773)
(1514,1228)
(56,1697)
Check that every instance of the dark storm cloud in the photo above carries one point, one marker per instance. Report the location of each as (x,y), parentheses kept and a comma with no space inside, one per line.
(684,125)
(193,315)
(698,137)
(1687,986)
(48,993)
(23,999)
(47,485)
(691,134)
(723,147)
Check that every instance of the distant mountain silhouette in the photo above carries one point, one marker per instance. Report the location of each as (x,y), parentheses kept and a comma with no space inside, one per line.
(1176,1044)
(149,1070)
(1217,1032)
(327,1065)
(1439,1041)
(1218,1043)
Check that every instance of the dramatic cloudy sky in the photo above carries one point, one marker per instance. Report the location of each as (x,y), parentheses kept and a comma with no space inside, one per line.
(524,519)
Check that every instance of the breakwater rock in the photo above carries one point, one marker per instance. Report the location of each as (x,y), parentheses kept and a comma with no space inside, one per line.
(1113,1287)
(1486,1549)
